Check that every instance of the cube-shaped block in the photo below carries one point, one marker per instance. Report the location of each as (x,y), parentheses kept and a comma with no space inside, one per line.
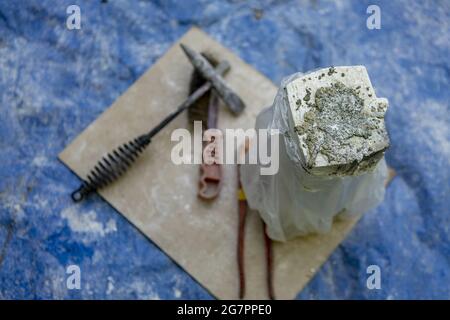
(338,121)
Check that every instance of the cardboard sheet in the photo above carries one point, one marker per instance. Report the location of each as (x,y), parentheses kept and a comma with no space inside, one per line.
(160,198)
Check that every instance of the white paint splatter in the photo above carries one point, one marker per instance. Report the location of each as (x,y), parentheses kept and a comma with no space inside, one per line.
(110,287)
(176,290)
(39,161)
(97,257)
(434,124)
(144,291)
(18,212)
(111,226)
(87,222)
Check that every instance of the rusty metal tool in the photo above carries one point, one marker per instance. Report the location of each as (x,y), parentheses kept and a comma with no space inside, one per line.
(211,174)
(114,164)
(210,181)
(206,111)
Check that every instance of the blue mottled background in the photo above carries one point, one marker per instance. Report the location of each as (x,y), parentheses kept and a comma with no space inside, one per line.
(54,82)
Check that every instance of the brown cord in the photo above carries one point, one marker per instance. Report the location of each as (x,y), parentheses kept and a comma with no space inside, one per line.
(242,203)
(269,263)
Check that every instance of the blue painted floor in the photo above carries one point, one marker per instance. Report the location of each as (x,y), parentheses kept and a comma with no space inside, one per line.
(55,81)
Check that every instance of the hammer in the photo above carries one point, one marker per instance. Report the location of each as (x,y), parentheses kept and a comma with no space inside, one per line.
(110,167)
(203,66)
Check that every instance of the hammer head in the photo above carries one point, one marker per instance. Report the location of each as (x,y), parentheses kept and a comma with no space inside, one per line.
(202,65)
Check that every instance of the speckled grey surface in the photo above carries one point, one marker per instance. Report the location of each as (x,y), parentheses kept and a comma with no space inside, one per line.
(54,82)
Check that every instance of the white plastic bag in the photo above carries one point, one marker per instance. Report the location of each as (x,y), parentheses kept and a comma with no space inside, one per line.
(294,202)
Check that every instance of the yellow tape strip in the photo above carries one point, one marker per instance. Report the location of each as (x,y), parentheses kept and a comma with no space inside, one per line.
(241,195)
